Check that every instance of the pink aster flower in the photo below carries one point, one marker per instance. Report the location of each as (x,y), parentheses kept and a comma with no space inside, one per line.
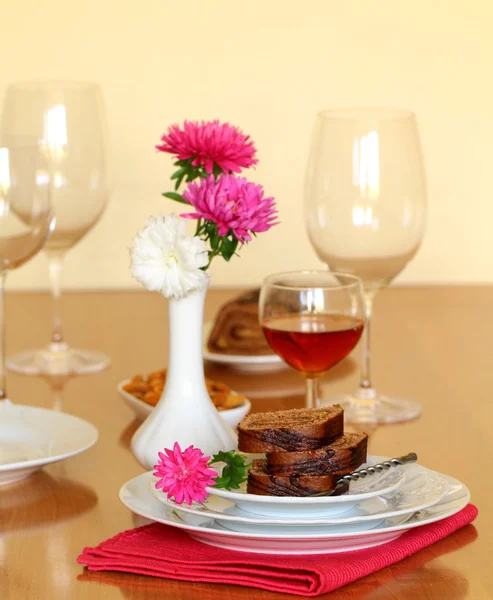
(210,142)
(184,475)
(233,203)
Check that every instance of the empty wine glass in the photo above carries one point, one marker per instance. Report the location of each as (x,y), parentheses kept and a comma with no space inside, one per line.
(365,213)
(67,122)
(26,219)
(312,320)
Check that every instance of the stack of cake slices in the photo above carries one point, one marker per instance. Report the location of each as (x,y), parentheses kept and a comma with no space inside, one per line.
(306,451)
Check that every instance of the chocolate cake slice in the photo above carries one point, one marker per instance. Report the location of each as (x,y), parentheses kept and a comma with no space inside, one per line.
(344,455)
(290,430)
(297,484)
(237,329)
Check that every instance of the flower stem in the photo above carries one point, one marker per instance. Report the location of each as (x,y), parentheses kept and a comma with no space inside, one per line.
(199,227)
(212,254)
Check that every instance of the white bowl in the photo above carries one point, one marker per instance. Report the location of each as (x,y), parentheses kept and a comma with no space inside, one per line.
(33,437)
(378,484)
(232,416)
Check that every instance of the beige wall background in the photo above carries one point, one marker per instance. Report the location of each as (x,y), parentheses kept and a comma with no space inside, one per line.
(268,66)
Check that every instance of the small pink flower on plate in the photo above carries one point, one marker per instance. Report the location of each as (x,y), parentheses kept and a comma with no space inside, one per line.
(209,143)
(233,203)
(184,475)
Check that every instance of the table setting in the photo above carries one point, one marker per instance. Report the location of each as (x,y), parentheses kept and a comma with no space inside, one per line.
(35,154)
(282,497)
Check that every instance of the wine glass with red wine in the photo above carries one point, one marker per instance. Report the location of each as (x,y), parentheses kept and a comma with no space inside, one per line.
(312,320)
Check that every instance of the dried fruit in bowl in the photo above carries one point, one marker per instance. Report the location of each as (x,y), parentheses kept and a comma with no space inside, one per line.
(149,390)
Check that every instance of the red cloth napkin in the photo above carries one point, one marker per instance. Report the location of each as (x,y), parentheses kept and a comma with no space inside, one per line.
(163,551)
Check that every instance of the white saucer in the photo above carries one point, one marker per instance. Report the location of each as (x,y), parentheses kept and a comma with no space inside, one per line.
(136,497)
(242,362)
(142,410)
(31,438)
(316,506)
(421,489)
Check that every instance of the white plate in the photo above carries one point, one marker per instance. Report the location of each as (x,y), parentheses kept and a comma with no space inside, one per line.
(33,437)
(316,506)
(142,410)
(136,497)
(421,489)
(242,362)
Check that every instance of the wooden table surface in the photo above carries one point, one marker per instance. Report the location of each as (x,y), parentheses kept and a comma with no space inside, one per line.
(429,344)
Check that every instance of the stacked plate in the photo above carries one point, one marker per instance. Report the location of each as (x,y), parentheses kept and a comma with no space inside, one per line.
(31,438)
(376,510)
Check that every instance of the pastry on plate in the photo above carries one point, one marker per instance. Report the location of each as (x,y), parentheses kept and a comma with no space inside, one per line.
(290,430)
(344,455)
(263,483)
(236,329)
(306,451)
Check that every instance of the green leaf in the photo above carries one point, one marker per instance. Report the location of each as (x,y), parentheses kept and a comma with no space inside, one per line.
(234,473)
(176,197)
(178,173)
(214,239)
(228,247)
(179,180)
(222,481)
(216,170)
(222,456)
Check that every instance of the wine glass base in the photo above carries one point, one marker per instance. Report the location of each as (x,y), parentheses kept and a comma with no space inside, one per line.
(377,409)
(58,359)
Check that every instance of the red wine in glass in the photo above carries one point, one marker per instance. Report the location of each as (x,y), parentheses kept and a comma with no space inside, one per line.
(313,343)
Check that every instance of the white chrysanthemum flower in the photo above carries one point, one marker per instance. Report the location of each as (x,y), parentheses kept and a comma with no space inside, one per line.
(165,259)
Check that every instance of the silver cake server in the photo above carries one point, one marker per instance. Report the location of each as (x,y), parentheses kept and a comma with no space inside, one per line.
(342,484)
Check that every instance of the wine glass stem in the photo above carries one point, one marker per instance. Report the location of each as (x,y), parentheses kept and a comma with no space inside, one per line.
(55,267)
(312,392)
(3,387)
(365,383)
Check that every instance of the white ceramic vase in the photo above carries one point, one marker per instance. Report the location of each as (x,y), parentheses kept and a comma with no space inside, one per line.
(185,412)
